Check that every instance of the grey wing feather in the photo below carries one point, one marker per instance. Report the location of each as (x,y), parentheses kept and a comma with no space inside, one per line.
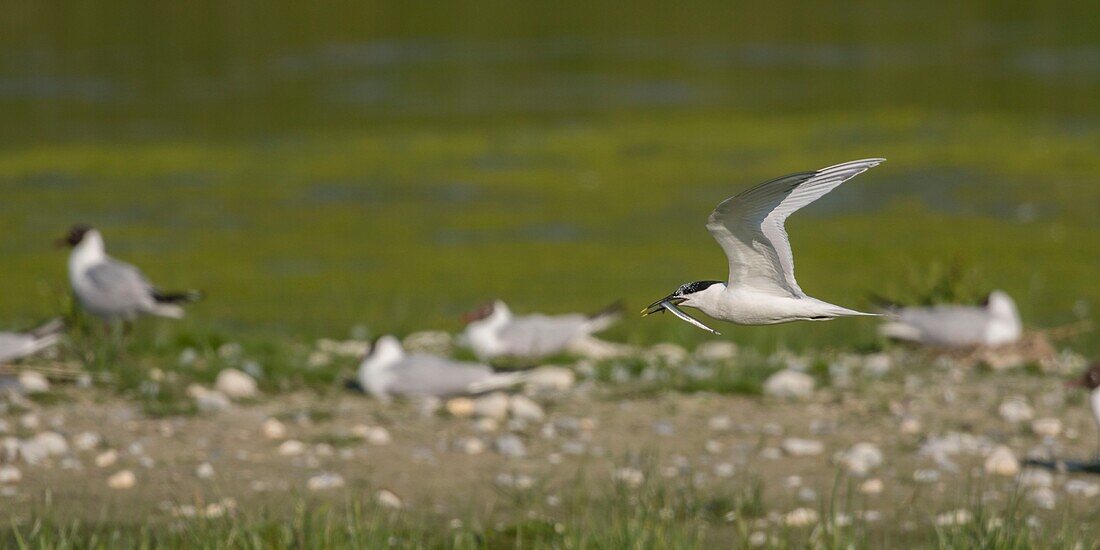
(14,345)
(953,326)
(422,375)
(120,285)
(538,335)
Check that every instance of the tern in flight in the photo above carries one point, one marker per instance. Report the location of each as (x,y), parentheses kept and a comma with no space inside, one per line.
(749,227)
(114,290)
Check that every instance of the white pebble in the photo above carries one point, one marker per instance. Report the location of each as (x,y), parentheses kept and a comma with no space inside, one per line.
(802,447)
(325,481)
(862,458)
(800,517)
(524,408)
(1002,462)
(272,428)
(387,499)
(32,382)
(1047,427)
(789,384)
(106,458)
(10,475)
(235,384)
(124,479)
(292,447)
(204,471)
(1016,410)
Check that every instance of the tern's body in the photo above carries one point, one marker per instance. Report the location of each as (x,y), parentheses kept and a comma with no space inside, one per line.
(17,345)
(114,290)
(995,324)
(496,331)
(761,289)
(388,371)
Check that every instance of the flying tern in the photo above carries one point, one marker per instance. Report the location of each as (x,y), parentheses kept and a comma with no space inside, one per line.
(995,323)
(387,370)
(114,290)
(16,345)
(492,330)
(761,289)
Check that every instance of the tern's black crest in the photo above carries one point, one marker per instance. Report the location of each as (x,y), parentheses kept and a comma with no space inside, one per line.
(697,286)
(76,234)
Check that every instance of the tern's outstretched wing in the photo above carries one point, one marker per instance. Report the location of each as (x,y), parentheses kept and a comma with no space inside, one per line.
(749,226)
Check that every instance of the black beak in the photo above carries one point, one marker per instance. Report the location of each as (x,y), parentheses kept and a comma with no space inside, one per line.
(659,305)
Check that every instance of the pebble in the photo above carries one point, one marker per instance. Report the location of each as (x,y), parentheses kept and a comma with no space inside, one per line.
(1034,478)
(789,384)
(32,382)
(524,408)
(208,401)
(801,517)
(631,477)
(872,486)
(663,428)
(802,447)
(910,426)
(1047,427)
(862,458)
(926,476)
(325,481)
(667,353)
(724,469)
(30,421)
(10,475)
(292,447)
(493,405)
(460,407)
(121,480)
(273,428)
(106,458)
(470,445)
(487,425)
(236,384)
(1002,462)
(549,379)
(511,446)
(955,518)
(387,499)
(86,441)
(1043,497)
(374,435)
(204,471)
(716,351)
(720,423)
(807,494)
(1082,488)
(1016,410)
(878,364)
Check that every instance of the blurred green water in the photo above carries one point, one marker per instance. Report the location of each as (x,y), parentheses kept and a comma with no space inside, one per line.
(393,164)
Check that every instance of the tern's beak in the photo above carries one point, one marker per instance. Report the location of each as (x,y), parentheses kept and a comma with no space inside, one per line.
(659,305)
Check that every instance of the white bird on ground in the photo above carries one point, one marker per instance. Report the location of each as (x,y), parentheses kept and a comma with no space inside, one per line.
(761,289)
(995,323)
(387,370)
(114,290)
(1090,381)
(17,345)
(492,330)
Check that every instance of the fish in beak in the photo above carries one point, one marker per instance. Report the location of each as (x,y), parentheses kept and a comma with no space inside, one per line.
(669,304)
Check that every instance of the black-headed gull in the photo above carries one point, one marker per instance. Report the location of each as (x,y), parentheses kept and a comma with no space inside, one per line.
(114,290)
(761,289)
(492,330)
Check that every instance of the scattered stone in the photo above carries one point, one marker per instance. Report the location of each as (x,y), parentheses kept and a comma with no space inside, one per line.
(106,458)
(273,429)
(1082,488)
(460,407)
(724,469)
(1016,410)
(1002,462)
(292,447)
(548,379)
(663,428)
(325,481)
(387,499)
(1047,427)
(872,486)
(1034,478)
(208,401)
(347,348)
(30,421)
(789,384)
(86,441)
(374,435)
(720,423)
(955,518)
(204,471)
(236,384)
(910,426)
(32,382)
(524,408)
(802,447)
(487,425)
(515,481)
(667,354)
(493,405)
(1043,497)
(713,447)
(511,446)
(716,351)
(926,476)
(877,364)
(10,475)
(862,458)
(122,480)
(470,445)
(800,517)
(807,494)
(593,348)
(771,453)
(631,477)
(435,342)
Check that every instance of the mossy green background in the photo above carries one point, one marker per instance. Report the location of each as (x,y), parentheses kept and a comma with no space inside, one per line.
(314,168)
